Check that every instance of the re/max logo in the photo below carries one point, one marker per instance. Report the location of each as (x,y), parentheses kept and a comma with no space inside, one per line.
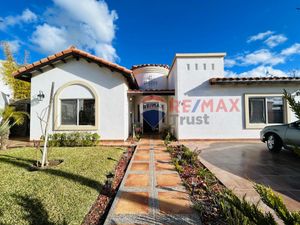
(204,105)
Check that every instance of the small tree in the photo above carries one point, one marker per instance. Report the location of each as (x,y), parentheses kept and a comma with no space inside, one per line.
(9,118)
(294,105)
(20,89)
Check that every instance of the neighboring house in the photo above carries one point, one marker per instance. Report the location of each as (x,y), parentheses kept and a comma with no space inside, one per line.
(192,98)
(5,92)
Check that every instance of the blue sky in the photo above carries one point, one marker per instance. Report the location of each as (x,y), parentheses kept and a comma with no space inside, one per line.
(258,36)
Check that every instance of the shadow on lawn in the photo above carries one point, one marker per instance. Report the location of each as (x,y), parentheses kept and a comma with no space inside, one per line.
(26,163)
(35,212)
(1,214)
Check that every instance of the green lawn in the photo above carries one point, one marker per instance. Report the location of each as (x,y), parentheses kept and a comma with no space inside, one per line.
(58,195)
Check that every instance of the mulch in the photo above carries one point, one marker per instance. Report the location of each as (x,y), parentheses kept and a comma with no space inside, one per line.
(202,191)
(100,208)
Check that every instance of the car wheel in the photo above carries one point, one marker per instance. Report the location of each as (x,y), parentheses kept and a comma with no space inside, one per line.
(274,143)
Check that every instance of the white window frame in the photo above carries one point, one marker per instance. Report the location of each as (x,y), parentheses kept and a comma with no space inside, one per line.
(262,125)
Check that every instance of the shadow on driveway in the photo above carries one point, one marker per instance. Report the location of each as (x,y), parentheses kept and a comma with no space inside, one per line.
(252,160)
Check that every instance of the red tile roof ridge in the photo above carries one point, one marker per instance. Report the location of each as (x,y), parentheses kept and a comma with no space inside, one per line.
(229,79)
(149,64)
(70,50)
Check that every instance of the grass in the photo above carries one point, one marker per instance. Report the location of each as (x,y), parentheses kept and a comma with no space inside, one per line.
(58,195)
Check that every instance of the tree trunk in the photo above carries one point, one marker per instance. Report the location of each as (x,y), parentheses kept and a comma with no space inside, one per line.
(4,141)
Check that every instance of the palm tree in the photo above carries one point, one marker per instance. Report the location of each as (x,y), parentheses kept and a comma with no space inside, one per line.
(9,117)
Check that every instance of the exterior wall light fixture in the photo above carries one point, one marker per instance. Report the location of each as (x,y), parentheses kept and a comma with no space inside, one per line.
(41,96)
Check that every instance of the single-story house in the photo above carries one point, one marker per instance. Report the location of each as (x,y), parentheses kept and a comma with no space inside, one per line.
(192,98)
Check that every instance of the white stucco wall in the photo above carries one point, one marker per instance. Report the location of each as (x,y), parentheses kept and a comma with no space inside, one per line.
(5,92)
(151,77)
(172,77)
(173,84)
(193,88)
(111,88)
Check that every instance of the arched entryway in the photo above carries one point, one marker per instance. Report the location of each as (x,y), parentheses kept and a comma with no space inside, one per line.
(153,115)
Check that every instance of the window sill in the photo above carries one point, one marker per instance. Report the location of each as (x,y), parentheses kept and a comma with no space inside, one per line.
(261,125)
(75,128)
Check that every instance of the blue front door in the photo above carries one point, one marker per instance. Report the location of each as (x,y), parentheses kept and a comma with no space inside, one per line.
(152,115)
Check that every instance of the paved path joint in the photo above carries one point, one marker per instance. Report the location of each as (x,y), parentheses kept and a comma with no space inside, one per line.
(151,191)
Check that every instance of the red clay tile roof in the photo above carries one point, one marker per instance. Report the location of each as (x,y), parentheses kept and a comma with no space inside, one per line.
(248,80)
(77,53)
(152,92)
(145,65)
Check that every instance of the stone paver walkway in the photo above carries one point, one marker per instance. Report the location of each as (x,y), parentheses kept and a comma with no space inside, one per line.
(151,191)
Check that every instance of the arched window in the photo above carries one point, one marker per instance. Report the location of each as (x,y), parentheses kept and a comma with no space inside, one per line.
(76,107)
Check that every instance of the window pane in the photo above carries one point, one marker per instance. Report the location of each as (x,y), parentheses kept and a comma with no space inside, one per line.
(275,109)
(87,112)
(257,110)
(69,112)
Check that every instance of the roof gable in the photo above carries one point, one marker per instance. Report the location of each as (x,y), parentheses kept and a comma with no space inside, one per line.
(25,73)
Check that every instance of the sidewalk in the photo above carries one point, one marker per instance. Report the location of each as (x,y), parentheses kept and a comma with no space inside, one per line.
(151,191)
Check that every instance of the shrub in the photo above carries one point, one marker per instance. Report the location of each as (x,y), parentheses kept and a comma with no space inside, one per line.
(275,202)
(138,137)
(72,139)
(207,176)
(168,136)
(137,131)
(170,149)
(178,167)
(189,156)
(239,211)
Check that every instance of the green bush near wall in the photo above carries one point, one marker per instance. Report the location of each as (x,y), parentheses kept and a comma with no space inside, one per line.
(73,139)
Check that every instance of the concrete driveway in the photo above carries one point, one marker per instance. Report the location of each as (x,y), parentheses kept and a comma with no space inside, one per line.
(236,164)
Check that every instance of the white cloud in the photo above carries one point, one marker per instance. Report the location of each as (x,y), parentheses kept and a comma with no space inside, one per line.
(14,45)
(88,25)
(106,51)
(292,50)
(262,56)
(49,38)
(260,36)
(94,14)
(263,71)
(229,73)
(271,39)
(275,40)
(229,63)
(27,16)
(263,60)
(260,71)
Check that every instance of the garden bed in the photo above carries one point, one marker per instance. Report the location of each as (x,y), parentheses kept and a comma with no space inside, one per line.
(202,185)
(100,208)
